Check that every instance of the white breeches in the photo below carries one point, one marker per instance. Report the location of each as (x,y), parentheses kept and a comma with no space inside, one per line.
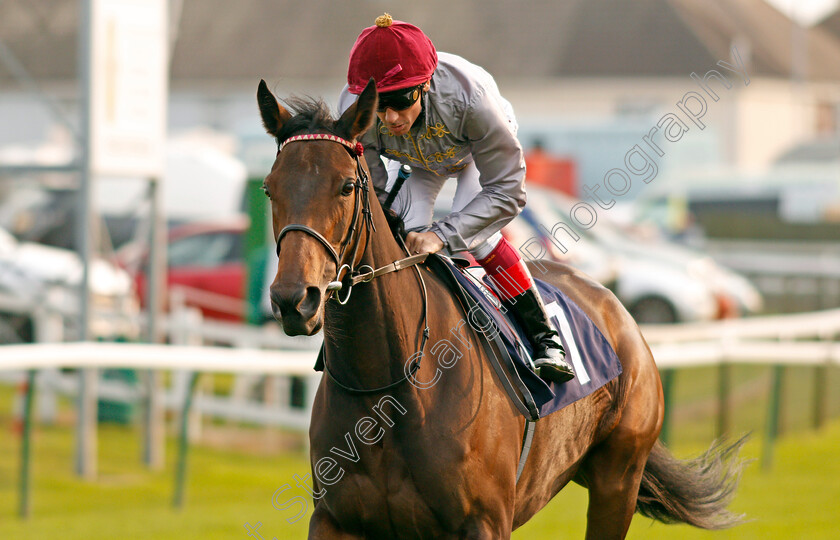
(416,199)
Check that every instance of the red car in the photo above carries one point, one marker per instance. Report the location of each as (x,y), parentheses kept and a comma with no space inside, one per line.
(206,265)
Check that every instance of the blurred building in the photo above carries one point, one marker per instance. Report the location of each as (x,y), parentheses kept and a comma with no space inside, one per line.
(590,70)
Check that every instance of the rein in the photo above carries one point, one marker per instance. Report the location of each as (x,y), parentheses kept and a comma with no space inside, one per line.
(355,275)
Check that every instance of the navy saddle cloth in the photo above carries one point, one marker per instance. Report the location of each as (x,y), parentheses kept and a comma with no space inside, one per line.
(594,360)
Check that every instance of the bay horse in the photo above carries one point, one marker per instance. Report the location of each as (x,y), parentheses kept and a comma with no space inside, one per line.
(412,441)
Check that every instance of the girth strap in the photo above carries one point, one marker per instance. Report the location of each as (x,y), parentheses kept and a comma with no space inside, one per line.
(525,404)
(527,439)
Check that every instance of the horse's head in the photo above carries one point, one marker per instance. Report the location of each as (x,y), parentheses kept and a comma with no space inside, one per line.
(316,202)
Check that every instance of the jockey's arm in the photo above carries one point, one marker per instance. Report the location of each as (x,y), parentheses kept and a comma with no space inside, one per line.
(501,165)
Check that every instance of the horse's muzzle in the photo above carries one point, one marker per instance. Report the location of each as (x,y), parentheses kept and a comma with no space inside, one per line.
(297,308)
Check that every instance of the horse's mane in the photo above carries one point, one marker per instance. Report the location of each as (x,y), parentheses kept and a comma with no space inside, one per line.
(309,115)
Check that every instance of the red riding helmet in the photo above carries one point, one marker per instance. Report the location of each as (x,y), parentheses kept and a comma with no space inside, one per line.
(396,54)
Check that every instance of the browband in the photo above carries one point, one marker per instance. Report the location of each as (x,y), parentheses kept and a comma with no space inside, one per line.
(355,148)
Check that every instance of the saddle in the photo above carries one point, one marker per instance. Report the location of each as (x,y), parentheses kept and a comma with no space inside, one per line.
(508,350)
(593,358)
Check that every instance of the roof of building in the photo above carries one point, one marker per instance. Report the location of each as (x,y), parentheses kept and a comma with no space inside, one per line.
(248,39)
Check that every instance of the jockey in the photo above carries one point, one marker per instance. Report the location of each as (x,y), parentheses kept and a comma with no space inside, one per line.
(444,117)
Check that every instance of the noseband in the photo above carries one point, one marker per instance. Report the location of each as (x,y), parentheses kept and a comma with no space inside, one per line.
(361,189)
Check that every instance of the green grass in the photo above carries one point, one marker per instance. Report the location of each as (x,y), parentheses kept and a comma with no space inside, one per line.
(228,487)
(798,498)
(225,490)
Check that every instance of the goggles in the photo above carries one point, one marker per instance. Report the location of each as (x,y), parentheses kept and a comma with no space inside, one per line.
(399,100)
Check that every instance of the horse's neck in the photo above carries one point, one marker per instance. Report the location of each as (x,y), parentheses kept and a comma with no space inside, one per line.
(369,339)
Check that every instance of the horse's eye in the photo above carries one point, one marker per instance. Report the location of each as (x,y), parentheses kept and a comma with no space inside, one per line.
(265,190)
(348,188)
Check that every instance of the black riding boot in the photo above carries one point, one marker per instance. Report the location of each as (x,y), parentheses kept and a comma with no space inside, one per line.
(549,356)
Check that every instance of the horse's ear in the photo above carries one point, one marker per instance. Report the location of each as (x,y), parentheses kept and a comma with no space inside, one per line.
(273,114)
(359,117)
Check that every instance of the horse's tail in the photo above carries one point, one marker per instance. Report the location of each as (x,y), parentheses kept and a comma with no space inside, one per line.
(696,491)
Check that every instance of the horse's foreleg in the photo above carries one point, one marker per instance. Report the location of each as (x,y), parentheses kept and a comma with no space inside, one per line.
(322,526)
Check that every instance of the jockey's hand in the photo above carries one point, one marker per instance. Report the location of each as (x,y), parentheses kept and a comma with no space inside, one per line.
(424,242)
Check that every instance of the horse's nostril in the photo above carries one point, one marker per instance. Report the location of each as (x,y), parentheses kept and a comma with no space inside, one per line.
(300,301)
(310,303)
(286,299)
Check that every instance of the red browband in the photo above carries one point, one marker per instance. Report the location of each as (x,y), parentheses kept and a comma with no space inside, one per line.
(355,148)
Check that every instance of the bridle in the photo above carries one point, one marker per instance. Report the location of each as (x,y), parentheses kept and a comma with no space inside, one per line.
(354,275)
(361,187)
